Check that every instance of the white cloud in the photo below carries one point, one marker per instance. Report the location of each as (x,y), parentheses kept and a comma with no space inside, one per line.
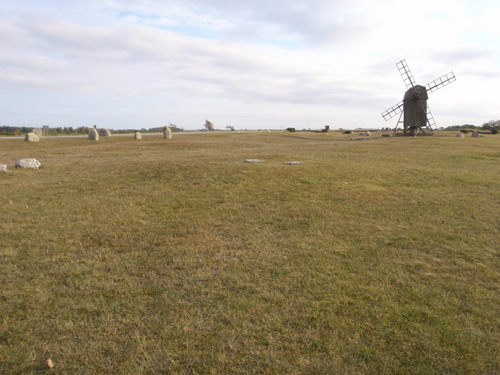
(327,61)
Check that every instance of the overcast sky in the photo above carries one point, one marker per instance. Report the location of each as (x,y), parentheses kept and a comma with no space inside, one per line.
(246,63)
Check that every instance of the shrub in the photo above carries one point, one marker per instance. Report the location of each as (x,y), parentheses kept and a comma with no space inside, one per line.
(291,130)
(347,132)
(494,131)
(465,131)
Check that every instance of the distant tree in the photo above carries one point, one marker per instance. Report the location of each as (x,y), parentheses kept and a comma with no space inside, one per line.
(491,125)
(230,127)
(291,130)
(209,126)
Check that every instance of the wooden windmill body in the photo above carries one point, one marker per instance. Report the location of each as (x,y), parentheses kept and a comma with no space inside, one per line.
(415,114)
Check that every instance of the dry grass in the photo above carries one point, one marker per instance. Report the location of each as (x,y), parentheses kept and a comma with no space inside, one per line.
(157,256)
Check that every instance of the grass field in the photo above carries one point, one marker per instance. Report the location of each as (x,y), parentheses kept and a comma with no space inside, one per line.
(177,257)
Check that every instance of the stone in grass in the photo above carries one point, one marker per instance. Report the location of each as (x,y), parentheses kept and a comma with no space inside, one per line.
(475,134)
(252,160)
(28,163)
(104,132)
(293,162)
(93,135)
(137,135)
(3,168)
(32,137)
(38,132)
(460,135)
(167,133)
(386,134)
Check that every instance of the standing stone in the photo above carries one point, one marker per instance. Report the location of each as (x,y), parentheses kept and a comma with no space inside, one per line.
(475,134)
(460,135)
(93,135)
(167,133)
(137,135)
(104,132)
(3,168)
(32,137)
(28,163)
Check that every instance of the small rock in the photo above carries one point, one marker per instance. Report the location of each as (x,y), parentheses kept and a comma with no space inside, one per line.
(252,160)
(32,137)
(50,364)
(3,168)
(28,163)
(293,162)
(386,134)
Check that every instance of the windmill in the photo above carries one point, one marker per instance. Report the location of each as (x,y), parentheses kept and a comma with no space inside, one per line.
(417,116)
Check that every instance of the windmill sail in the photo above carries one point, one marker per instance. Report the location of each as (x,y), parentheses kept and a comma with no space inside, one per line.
(393,111)
(440,82)
(406,74)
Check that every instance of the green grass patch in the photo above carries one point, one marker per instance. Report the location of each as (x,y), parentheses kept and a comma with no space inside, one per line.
(175,256)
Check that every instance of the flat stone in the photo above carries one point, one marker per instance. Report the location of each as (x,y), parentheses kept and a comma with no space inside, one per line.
(28,163)
(293,162)
(252,160)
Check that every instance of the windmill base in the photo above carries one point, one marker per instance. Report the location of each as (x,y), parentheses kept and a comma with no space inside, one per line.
(413,135)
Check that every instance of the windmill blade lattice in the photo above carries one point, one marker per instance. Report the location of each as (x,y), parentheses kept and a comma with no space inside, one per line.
(406,74)
(393,111)
(440,82)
